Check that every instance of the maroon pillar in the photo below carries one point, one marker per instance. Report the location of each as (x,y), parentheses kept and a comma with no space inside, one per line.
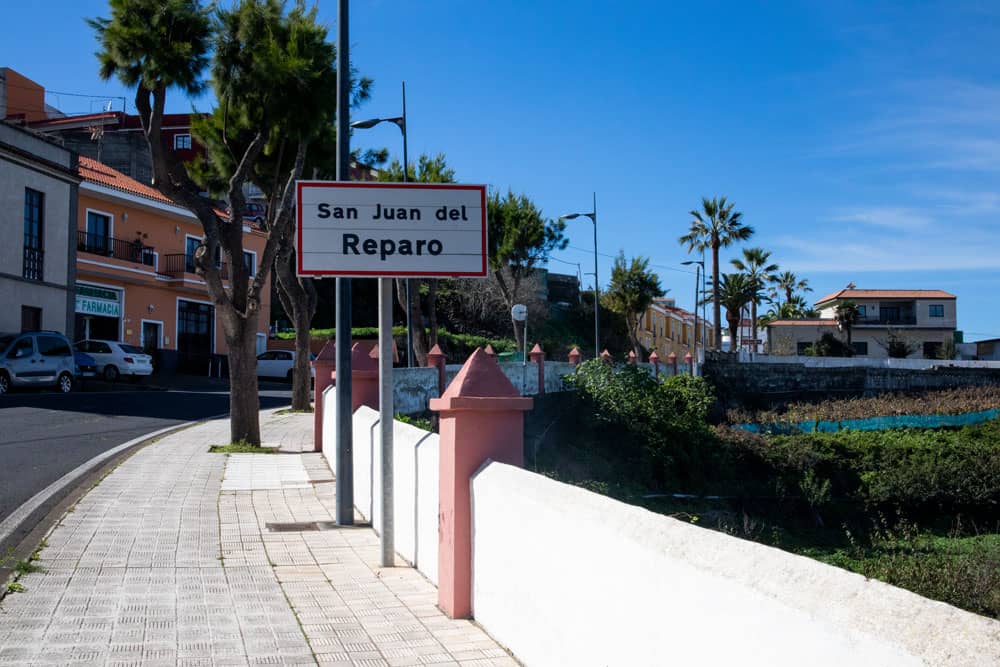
(324,365)
(537,356)
(435,359)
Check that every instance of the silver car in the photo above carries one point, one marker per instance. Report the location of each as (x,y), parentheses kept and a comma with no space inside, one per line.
(36,359)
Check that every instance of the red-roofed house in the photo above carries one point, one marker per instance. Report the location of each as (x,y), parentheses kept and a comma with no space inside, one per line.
(135,278)
(922,319)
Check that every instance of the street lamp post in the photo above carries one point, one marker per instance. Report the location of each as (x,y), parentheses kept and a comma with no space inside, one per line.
(400,122)
(597,327)
(698,271)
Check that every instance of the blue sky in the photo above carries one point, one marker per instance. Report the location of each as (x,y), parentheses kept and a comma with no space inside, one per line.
(860,139)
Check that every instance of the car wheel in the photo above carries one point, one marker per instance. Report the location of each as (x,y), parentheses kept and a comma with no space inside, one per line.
(111,373)
(65,383)
(4,383)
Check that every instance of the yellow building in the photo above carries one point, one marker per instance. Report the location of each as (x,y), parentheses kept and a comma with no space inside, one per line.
(665,328)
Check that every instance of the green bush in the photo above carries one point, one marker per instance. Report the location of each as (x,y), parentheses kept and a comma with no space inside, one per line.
(910,469)
(657,429)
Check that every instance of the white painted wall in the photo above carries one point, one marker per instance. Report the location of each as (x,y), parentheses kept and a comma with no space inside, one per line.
(415,486)
(563,576)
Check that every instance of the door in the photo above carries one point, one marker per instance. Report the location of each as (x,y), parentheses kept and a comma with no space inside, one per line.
(54,356)
(31,318)
(151,337)
(21,361)
(195,327)
(98,233)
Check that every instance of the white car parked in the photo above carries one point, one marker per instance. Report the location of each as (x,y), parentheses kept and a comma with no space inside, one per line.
(279,364)
(115,359)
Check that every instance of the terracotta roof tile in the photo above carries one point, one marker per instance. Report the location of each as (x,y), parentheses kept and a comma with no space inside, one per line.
(102,174)
(886,294)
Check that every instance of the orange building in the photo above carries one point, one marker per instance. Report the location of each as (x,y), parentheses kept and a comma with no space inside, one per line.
(135,278)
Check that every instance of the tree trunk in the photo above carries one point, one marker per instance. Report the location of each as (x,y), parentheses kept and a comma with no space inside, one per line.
(734,323)
(420,346)
(633,336)
(244,404)
(753,325)
(716,310)
(298,297)
(432,319)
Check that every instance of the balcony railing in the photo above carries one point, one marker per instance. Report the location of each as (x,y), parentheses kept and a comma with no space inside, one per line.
(889,320)
(129,251)
(177,265)
(33,266)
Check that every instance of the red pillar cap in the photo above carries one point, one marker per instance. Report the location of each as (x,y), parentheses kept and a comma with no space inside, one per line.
(537,349)
(361,360)
(687,357)
(490,351)
(436,351)
(653,356)
(672,356)
(327,356)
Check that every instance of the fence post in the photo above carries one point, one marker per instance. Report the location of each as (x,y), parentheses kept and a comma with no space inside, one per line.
(481,417)
(606,356)
(324,365)
(631,357)
(654,359)
(435,358)
(689,362)
(575,356)
(364,377)
(490,352)
(672,360)
(537,356)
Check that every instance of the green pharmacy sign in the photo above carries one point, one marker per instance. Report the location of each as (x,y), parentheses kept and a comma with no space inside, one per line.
(97,301)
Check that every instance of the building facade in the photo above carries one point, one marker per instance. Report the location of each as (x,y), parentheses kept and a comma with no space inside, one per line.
(919,321)
(136,278)
(38,200)
(667,329)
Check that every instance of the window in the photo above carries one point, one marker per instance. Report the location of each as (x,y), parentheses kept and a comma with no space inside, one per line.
(860,348)
(182,142)
(52,346)
(861,312)
(22,348)
(937,310)
(250,260)
(34,219)
(98,233)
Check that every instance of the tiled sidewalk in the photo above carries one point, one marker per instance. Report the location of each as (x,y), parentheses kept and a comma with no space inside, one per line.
(169,561)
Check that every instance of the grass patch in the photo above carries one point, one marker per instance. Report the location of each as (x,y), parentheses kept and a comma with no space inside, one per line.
(419,422)
(289,411)
(28,566)
(241,447)
(15,587)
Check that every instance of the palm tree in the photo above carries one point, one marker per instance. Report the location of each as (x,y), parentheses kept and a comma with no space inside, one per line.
(735,292)
(789,283)
(755,267)
(847,315)
(715,226)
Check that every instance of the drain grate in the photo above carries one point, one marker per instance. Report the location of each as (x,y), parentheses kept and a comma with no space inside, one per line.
(303,526)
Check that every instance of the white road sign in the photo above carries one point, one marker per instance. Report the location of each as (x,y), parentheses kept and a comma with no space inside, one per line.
(391,229)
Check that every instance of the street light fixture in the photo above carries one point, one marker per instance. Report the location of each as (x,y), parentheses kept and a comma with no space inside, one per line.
(400,122)
(597,327)
(698,272)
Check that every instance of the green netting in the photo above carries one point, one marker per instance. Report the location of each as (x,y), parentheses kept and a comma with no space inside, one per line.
(873,423)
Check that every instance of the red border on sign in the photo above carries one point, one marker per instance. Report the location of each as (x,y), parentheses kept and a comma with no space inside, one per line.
(387,274)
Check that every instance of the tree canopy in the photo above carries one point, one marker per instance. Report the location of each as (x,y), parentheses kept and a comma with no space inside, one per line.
(630,293)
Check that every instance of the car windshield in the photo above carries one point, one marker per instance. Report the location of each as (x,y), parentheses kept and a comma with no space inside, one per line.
(131,349)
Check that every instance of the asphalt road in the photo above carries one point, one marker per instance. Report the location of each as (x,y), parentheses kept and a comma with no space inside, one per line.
(44,435)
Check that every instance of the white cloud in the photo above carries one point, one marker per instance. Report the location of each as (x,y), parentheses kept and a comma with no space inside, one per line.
(890,217)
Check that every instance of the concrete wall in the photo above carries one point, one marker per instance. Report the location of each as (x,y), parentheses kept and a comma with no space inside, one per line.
(414,387)
(562,576)
(415,483)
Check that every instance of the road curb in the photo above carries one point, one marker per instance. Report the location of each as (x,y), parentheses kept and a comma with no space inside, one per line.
(13,523)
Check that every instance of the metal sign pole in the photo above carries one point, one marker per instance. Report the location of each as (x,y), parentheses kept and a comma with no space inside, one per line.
(345,434)
(386,414)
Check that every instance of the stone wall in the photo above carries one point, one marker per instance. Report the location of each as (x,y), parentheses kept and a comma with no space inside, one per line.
(760,383)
